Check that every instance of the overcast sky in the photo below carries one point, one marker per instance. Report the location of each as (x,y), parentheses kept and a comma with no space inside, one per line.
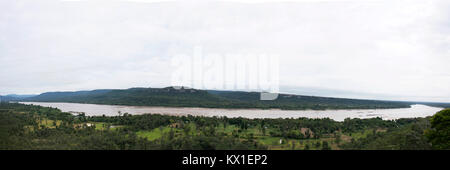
(394,50)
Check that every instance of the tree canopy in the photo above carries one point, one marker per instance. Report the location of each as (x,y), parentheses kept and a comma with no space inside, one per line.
(439,134)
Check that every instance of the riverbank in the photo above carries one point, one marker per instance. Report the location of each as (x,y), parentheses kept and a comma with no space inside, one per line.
(338,115)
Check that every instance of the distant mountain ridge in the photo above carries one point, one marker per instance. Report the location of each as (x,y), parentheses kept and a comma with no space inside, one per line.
(15,97)
(185,97)
(64,96)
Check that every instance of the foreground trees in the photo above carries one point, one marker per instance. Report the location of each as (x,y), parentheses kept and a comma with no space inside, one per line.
(36,127)
(439,134)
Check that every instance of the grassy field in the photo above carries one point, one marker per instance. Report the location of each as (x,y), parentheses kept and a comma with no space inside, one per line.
(274,143)
(49,123)
(157,133)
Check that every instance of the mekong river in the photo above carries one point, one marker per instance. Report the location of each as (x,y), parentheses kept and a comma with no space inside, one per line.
(338,115)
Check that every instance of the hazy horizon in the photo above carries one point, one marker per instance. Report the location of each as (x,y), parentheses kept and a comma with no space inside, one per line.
(370,49)
(317,92)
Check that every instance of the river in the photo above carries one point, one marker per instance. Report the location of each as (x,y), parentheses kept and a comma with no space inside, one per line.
(338,115)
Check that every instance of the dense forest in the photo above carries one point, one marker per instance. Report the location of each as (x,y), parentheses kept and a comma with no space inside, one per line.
(36,127)
(207,98)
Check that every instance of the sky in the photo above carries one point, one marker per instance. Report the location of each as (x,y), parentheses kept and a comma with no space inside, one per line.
(374,49)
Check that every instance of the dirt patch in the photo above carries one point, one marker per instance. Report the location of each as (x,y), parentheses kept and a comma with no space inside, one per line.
(175,125)
(346,138)
(304,130)
(381,130)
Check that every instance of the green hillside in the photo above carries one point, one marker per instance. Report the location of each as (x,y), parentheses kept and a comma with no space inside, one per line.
(211,99)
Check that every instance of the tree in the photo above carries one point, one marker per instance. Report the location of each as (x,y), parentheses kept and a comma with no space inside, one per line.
(317,144)
(325,146)
(171,134)
(439,135)
(306,146)
(338,138)
(186,129)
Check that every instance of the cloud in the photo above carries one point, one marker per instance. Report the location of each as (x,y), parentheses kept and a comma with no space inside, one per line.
(397,48)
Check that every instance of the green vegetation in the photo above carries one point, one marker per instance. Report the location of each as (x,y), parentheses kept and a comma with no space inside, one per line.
(156,133)
(36,127)
(212,99)
(439,134)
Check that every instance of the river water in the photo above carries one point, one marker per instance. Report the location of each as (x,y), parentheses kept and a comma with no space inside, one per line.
(338,115)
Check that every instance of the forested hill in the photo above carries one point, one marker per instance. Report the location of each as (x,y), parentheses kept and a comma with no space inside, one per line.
(14,97)
(7,98)
(207,98)
(443,105)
